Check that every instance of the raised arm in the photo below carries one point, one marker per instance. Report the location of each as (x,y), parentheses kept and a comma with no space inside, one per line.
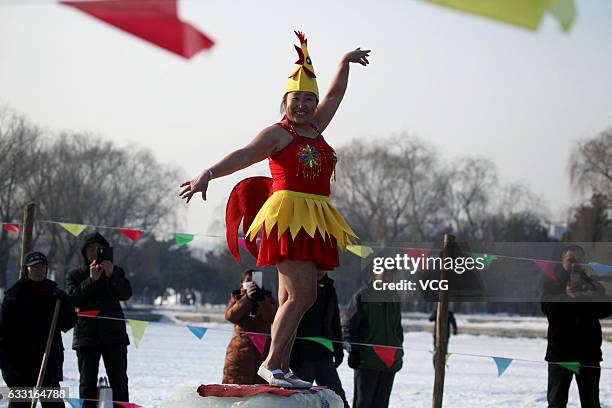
(330,103)
(266,143)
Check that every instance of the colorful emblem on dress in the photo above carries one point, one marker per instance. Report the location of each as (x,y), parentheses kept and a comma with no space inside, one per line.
(310,161)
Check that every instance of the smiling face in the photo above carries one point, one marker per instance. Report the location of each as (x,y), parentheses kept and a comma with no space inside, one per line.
(300,107)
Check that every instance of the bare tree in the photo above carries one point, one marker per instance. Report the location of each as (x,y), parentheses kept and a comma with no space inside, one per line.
(472,182)
(390,190)
(91,181)
(20,152)
(590,166)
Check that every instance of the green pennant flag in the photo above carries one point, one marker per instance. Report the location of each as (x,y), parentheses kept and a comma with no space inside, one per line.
(362,251)
(138,329)
(182,239)
(487,260)
(433,353)
(74,229)
(321,340)
(572,366)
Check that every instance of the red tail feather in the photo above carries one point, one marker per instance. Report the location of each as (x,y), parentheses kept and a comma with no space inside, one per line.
(302,37)
(244,202)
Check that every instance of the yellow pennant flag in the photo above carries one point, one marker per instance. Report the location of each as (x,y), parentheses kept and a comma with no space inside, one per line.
(74,229)
(522,13)
(138,329)
(362,251)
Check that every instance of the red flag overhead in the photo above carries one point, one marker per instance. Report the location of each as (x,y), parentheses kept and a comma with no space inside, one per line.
(155,21)
(11,227)
(133,235)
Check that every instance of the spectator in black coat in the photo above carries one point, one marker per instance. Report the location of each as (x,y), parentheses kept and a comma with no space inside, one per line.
(310,360)
(573,304)
(25,321)
(100,286)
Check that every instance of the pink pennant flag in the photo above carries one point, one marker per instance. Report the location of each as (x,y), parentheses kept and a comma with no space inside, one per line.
(128,405)
(386,354)
(548,268)
(89,313)
(259,341)
(133,235)
(242,244)
(155,21)
(11,227)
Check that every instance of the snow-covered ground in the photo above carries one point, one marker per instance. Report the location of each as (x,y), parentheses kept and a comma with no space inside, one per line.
(170,358)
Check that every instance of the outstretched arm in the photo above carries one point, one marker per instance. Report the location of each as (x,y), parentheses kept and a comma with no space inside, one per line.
(330,103)
(266,143)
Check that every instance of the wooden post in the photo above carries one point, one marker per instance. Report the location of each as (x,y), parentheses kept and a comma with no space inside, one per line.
(441,330)
(26,238)
(43,365)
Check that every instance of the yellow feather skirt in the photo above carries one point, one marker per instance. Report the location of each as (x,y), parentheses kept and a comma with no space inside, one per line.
(293,211)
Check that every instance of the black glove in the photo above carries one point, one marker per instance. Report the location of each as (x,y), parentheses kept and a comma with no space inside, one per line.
(258,296)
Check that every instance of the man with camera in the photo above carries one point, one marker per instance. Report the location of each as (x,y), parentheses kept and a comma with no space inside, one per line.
(100,285)
(25,321)
(573,304)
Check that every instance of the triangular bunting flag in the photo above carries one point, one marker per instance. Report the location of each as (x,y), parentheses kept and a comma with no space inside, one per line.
(11,227)
(242,244)
(182,239)
(199,332)
(548,267)
(259,341)
(155,21)
(502,364)
(128,405)
(416,253)
(601,269)
(132,234)
(362,251)
(138,329)
(487,260)
(74,229)
(522,13)
(386,354)
(321,340)
(90,313)
(74,402)
(572,366)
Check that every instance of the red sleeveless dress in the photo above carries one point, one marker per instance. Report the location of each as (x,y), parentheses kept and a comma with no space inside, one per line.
(297,221)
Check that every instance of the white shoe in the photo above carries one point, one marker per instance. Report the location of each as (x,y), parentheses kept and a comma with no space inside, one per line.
(296,381)
(274,377)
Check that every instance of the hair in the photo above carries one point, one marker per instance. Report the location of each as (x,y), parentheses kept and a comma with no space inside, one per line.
(246,274)
(574,248)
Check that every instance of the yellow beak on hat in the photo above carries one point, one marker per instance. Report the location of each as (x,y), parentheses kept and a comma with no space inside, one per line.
(303,77)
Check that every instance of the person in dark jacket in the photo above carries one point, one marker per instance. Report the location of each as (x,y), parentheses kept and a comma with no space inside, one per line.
(25,321)
(310,360)
(573,304)
(250,309)
(100,286)
(371,320)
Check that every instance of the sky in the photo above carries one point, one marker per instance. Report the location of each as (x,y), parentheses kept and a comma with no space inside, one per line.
(467,85)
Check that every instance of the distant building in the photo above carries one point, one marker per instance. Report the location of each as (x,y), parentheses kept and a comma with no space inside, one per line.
(556,230)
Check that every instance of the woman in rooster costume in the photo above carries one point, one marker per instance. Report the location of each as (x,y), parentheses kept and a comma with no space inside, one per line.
(300,229)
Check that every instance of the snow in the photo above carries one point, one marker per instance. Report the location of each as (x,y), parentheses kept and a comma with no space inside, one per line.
(171,363)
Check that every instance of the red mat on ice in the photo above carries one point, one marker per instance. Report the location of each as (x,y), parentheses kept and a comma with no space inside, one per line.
(246,391)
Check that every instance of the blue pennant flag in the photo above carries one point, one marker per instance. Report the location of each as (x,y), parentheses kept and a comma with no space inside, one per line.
(601,269)
(74,402)
(502,364)
(199,332)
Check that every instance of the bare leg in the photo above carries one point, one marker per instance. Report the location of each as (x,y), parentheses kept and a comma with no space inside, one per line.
(298,280)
